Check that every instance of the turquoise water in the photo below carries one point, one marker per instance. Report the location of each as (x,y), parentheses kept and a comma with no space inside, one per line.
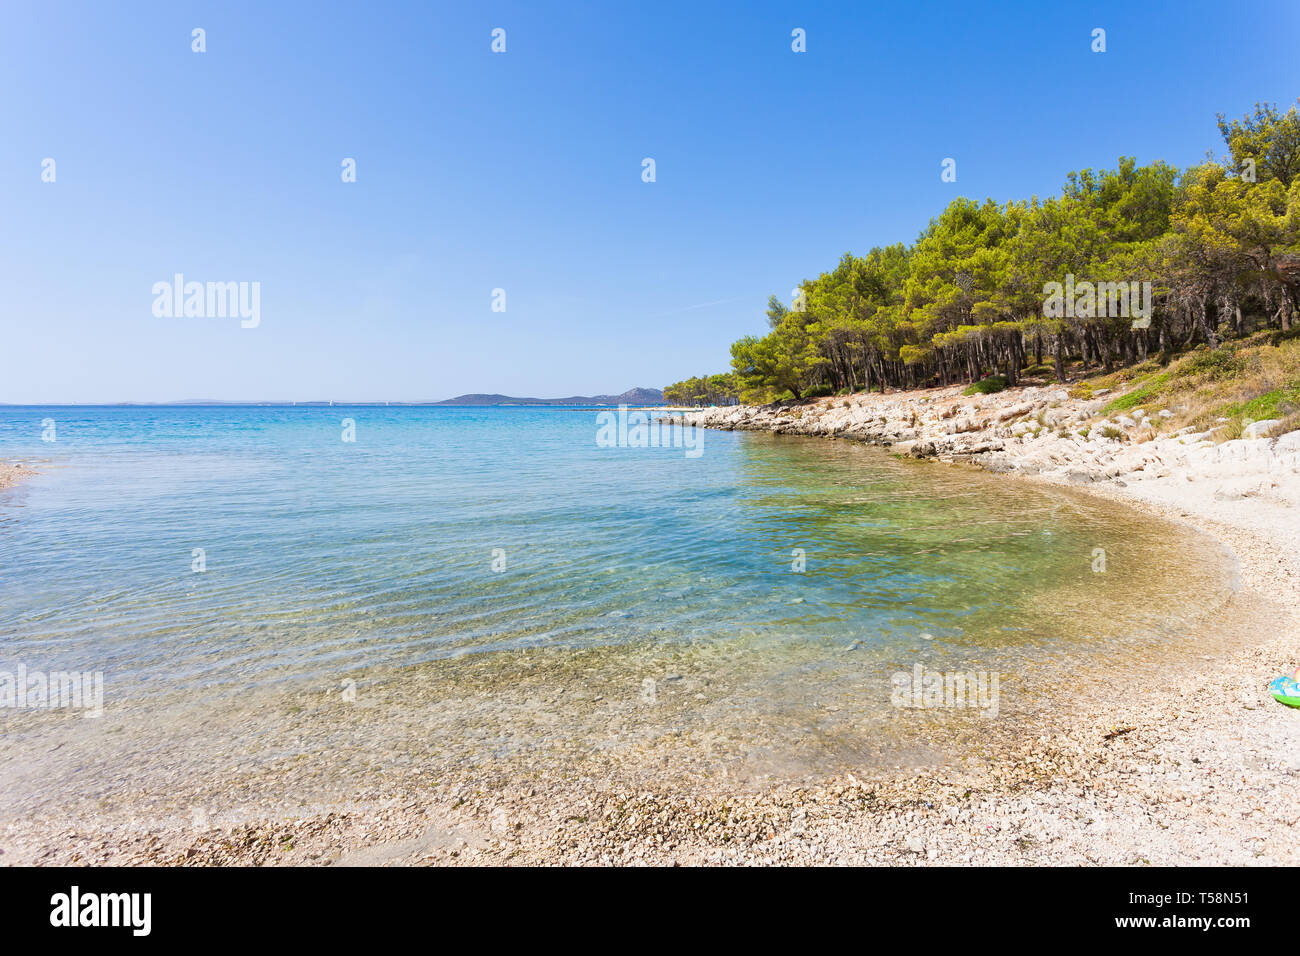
(322,554)
(370,564)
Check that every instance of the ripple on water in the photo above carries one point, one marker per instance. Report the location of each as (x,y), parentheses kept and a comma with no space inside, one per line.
(327,561)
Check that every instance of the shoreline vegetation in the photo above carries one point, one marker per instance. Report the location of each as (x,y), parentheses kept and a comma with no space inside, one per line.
(1124,268)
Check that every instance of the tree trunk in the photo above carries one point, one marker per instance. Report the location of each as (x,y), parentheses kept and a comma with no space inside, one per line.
(1206,329)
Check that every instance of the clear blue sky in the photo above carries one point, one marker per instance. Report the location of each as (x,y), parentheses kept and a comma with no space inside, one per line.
(523,171)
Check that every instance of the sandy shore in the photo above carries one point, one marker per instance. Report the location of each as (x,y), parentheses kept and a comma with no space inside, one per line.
(1187,761)
(10,475)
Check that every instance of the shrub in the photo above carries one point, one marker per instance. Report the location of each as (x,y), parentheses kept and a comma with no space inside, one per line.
(986,386)
(1214,363)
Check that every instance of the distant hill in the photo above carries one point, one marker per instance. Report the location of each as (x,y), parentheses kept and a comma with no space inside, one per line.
(633,396)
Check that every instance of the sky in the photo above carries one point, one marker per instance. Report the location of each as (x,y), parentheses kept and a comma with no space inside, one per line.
(523,171)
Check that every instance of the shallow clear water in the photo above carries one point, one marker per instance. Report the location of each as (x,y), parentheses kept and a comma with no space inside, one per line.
(327,558)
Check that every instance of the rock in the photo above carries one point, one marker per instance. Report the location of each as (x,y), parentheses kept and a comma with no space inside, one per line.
(1261,429)
(1239,488)
(1002,466)
(1015,411)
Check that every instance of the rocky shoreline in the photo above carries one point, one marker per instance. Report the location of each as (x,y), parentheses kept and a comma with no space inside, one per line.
(1036,431)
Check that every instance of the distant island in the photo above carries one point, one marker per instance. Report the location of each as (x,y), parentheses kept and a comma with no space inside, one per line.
(633,396)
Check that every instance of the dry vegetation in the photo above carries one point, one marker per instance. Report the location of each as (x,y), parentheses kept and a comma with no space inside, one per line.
(1224,389)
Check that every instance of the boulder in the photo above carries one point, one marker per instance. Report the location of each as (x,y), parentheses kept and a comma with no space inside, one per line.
(1260,429)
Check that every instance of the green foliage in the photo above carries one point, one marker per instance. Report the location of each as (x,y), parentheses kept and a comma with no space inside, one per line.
(1213,363)
(1269,138)
(986,386)
(704,390)
(1277,403)
(1214,255)
(1140,396)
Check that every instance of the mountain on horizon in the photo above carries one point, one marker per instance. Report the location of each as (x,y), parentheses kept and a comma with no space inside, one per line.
(633,396)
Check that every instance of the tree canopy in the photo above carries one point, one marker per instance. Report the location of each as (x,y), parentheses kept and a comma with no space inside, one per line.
(1147,258)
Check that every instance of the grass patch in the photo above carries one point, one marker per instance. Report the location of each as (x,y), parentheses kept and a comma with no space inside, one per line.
(1142,395)
(1278,403)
